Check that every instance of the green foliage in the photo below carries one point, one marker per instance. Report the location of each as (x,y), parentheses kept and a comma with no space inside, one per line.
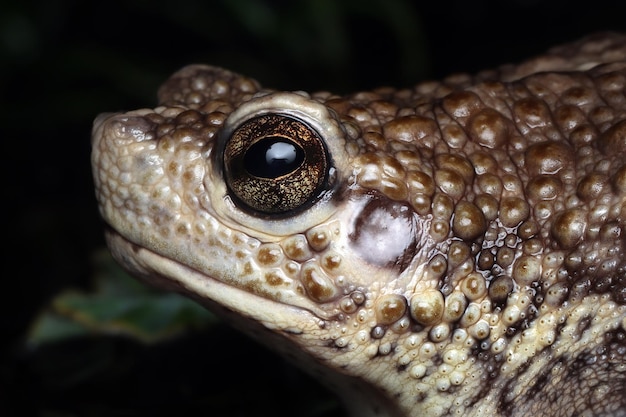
(119,305)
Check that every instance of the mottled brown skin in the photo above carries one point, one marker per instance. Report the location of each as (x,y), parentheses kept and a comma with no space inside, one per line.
(452,249)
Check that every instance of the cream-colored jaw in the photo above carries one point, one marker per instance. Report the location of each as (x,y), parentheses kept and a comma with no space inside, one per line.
(455,249)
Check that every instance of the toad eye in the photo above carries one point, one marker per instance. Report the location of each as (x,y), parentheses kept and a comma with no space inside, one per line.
(275,164)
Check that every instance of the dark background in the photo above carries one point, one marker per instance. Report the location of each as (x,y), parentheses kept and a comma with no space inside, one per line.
(63,61)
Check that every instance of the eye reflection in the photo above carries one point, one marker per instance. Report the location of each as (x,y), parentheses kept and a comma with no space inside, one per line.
(273,157)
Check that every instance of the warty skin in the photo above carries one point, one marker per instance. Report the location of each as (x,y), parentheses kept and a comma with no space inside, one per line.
(452,249)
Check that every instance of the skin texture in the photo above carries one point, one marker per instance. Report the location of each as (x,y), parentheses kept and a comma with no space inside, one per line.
(452,249)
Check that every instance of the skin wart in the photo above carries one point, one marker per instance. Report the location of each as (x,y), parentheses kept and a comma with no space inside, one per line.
(452,249)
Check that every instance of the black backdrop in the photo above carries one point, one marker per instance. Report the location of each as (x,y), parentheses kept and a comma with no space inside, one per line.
(64,61)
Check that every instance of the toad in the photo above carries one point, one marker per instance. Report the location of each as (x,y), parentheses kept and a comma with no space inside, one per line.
(457,248)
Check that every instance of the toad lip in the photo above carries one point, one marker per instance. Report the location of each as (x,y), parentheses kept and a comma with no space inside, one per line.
(158,270)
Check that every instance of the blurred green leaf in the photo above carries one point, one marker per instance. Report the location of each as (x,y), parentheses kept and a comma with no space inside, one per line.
(119,305)
(50,328)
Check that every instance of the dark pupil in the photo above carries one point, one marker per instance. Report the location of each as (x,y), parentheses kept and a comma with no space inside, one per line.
(272,157)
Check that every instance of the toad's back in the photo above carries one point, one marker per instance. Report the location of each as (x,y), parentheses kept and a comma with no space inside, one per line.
(453,249)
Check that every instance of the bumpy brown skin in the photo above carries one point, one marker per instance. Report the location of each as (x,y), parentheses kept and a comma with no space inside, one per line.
(464,256)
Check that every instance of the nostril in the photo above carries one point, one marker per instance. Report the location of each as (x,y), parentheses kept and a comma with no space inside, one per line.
(127,128)
(96,128)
